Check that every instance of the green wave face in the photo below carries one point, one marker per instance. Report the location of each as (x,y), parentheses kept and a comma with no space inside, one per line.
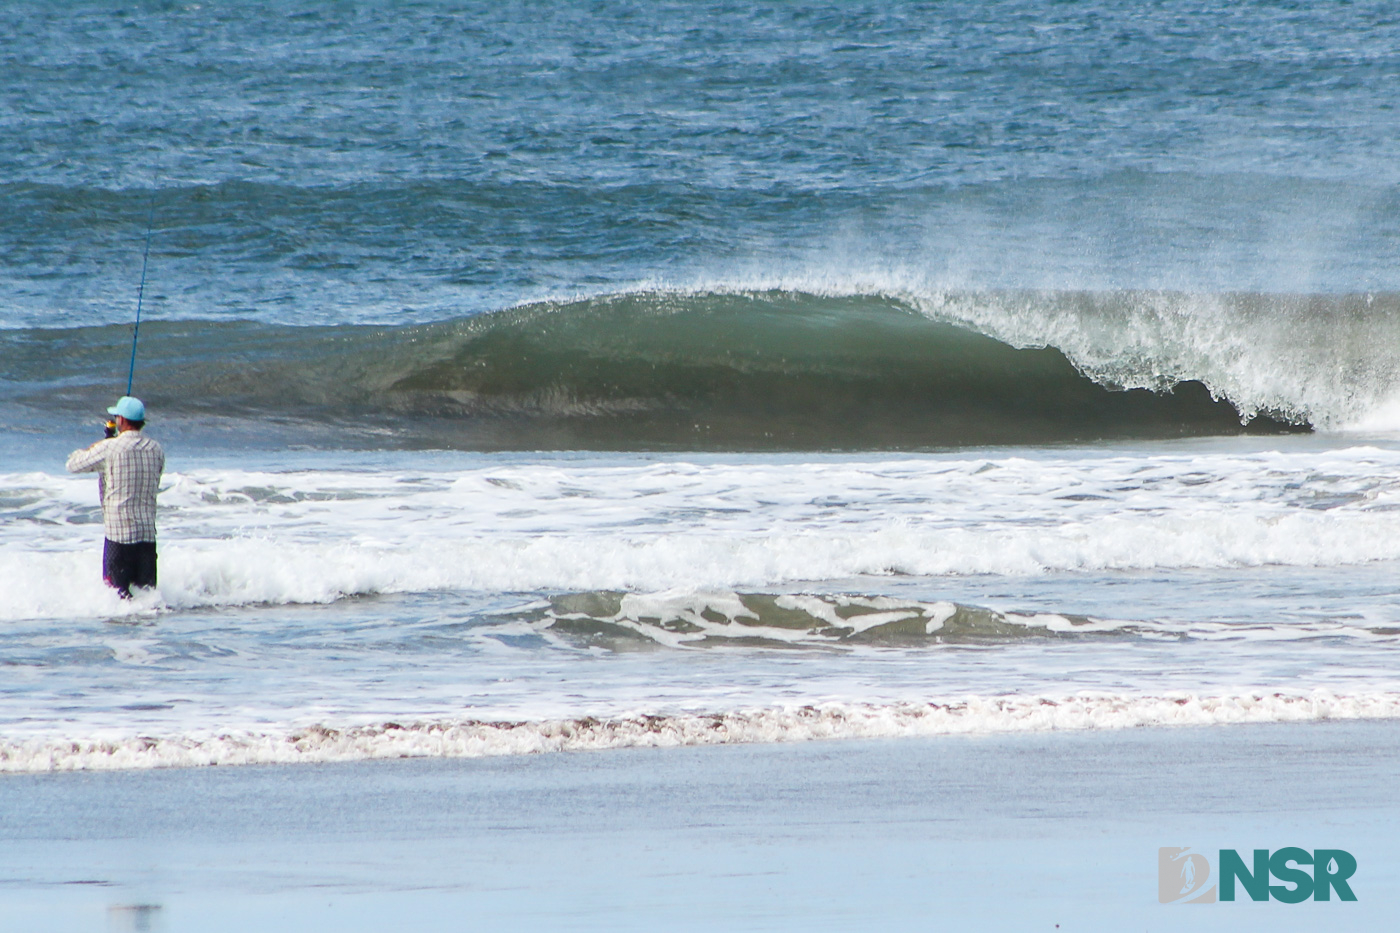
(719,371)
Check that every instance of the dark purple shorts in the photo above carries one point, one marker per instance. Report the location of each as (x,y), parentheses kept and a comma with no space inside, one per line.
(128,565)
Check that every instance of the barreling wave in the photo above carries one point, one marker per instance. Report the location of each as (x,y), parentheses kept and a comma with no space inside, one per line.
(743,370)
(470,738)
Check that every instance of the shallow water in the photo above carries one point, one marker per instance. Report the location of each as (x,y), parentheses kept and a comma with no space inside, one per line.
(623,600)
(672,374)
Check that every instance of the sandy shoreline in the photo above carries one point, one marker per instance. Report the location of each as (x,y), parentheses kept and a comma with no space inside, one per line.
(994,832)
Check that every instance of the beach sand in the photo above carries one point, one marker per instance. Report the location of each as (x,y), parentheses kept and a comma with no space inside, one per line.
(1016,832)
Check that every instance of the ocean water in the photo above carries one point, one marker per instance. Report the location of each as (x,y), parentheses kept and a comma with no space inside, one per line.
(622,374)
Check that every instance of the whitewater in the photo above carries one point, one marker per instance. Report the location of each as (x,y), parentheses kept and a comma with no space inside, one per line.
(460,604)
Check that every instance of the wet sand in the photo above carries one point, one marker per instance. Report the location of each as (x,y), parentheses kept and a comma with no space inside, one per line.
(1014,832)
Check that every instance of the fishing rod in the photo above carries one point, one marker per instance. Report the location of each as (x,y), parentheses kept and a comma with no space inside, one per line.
(141,291)
(111,426)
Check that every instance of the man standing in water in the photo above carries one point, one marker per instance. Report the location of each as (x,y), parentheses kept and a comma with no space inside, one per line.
(129,465)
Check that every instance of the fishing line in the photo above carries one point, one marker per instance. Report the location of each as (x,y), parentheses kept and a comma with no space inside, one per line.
(141,291)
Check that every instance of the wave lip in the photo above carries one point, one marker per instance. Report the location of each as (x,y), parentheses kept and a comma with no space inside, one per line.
(468,738)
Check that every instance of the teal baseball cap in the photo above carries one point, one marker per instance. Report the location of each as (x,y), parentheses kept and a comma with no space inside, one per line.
(129,408)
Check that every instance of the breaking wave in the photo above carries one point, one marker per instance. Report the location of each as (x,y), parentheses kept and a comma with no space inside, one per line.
(756,370)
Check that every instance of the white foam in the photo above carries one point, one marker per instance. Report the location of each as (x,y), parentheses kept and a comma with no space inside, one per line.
(1381,418)
(269,571)
(234,537)
(884,610)
(980,715)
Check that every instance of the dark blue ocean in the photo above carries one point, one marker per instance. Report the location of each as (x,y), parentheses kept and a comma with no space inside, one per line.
(332,163)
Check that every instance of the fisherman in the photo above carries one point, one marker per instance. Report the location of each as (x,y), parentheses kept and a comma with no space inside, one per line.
(129,466)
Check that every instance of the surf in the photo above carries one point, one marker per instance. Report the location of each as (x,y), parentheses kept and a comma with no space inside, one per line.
(741,370)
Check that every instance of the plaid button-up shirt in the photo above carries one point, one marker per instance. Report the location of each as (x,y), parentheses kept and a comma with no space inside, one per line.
(129,467)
